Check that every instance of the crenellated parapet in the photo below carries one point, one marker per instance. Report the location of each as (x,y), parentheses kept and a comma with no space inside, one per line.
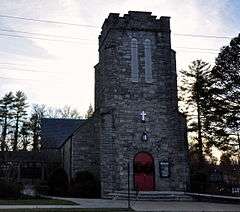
(134,21)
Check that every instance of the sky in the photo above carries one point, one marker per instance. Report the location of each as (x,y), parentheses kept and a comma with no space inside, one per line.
(55,66)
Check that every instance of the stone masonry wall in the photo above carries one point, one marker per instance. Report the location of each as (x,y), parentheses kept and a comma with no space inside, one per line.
(85,148)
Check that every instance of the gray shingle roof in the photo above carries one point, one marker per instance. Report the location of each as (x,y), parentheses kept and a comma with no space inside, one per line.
(55,131)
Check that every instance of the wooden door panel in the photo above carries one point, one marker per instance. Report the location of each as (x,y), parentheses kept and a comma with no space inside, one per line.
(144,172)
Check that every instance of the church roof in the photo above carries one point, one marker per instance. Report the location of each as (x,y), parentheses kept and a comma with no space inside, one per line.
(55,131)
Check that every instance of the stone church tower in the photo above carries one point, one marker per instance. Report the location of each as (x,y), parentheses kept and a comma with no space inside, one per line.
(140,126)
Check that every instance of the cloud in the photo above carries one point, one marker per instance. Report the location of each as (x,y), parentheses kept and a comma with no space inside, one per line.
(21,46)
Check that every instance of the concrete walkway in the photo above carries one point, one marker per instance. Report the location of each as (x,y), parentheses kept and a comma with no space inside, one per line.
(138,206)
(185,206)
(38,206)
(99,203)
(157,205)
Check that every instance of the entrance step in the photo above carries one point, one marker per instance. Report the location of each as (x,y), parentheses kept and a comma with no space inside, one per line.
(150,196)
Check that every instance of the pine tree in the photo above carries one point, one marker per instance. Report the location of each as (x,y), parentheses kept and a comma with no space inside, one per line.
(6,105)
(19,114)
(193,91)
(35,125)
(223,118)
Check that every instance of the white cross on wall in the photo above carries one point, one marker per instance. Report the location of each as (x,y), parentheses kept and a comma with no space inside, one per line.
(143,114)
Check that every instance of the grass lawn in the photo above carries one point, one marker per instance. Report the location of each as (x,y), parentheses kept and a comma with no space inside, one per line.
(66,210)
(40,201)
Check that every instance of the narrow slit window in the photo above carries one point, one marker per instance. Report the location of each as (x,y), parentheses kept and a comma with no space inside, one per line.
(148,61)
(134,60)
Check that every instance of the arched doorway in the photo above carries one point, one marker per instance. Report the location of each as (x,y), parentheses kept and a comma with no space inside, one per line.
(143,166)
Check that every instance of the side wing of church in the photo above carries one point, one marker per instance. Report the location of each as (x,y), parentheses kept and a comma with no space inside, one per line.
(136,130)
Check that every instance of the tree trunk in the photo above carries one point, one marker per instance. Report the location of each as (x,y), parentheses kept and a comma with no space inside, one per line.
(4,134)
(238,148)
(200,142)
(35,139)
(15,142)
(25,143)
(199,125)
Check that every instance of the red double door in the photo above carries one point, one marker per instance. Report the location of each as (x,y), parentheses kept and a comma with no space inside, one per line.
(144,172)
